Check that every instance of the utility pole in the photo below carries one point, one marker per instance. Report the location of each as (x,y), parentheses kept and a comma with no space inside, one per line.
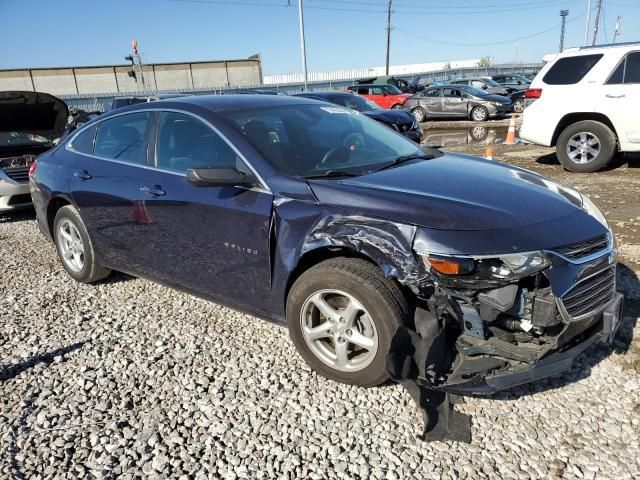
(587,23)
(515,57)
(563,15)
(617,30)
(597,22)
(388,35)
(303,45)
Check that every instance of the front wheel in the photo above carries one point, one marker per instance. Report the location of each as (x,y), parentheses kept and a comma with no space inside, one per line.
(419,114)
(75,248)
(586,146)
(479,114)
(342,315)
(518,106)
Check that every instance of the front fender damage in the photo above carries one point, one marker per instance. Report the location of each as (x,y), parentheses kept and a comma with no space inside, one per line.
(422,350)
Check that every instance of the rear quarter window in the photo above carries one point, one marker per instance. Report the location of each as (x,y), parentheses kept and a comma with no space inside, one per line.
(83,142)
(570,70)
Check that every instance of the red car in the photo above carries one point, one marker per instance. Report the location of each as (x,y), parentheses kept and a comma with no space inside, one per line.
(385,95)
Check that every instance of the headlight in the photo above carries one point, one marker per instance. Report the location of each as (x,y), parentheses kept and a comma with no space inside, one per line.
(593,210)
(508,267)
(15,162)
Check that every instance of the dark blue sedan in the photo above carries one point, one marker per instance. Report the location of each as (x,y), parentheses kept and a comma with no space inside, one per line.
(383,258)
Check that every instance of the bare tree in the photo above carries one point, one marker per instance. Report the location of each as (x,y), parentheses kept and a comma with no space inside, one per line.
(485,62)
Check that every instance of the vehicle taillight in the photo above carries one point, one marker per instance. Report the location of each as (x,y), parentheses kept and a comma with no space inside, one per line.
(533,93)
(32,169)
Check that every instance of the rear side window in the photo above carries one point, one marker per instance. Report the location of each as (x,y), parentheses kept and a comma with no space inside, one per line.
(83,143)
(570,70)
(432,92)
(122,138)
(628,71)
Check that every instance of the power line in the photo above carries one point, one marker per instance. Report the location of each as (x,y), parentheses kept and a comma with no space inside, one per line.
(431,9)
(504,42)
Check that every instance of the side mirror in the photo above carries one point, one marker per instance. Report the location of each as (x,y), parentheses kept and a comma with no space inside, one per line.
(484,87)
(220,177)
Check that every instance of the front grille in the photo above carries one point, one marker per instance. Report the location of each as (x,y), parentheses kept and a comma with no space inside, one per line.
(592,294)
(584,248)
(17,174)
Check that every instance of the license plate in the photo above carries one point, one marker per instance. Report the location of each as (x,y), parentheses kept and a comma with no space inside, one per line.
(612,317)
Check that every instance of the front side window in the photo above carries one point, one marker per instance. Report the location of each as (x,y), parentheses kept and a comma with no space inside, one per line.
(122,138)
(313,140)
(451,93)
(185,142)
(570,70)
(375,91)
(478,84)
(632,70)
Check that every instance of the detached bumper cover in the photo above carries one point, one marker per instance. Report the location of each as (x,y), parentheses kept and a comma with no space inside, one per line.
(553,364)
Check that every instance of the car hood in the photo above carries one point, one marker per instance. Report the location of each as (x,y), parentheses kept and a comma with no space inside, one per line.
(452,192)
(390,116)
(32,112)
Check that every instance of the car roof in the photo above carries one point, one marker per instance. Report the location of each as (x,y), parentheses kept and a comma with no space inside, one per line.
(226,102)
(371,85)
(325,94)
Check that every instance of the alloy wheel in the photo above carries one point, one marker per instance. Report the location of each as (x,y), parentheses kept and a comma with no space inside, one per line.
(479,114)
(583,147)
(338,330)
(418,114)
(71,245)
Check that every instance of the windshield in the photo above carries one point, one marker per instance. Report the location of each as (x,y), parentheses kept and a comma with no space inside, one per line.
(393,90)
(316,140)
(22,138)
(472,90)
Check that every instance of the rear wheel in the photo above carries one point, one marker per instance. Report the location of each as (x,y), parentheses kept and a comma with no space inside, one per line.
(586,146)
(75,248)
(342,315)
(419,114)
(479,113)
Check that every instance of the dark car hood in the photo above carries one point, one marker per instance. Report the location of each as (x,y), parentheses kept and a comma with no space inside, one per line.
(390,116)
(452,192)
(32,112)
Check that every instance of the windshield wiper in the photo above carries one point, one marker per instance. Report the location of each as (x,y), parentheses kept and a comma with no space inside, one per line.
(403,159)
(333,174)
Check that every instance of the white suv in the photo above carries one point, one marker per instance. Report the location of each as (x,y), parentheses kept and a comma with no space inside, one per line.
(586,103)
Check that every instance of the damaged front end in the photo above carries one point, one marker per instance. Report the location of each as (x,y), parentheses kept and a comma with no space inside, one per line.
(485,323)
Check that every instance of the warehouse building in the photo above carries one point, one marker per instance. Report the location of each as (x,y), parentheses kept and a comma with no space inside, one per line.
(109,79)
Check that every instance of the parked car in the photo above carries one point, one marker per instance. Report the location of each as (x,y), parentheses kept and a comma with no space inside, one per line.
(585,102)
(30,122)
(78,119)
(125,101)
(511,80)
(460,101)
(255,91)
(385,96)
(517,101)
(319,218)
(400,83)
(401,121)
(483,83)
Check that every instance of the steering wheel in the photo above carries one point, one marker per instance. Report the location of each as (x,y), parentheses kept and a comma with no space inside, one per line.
(330,153)
(353,140)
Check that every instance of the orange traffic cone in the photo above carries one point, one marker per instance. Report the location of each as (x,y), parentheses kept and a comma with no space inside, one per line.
(488,153)
(511,134)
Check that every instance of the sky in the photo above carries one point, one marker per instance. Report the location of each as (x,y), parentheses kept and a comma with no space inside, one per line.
(340,34)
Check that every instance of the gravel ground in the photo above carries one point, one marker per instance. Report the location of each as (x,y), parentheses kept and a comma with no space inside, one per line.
(132,379)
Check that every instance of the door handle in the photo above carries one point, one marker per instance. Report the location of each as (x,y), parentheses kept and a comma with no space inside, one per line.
(155,191)
(610,95)
(82,175)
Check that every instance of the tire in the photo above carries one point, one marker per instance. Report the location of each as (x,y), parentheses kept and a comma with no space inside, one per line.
(72,240)
(419,114)
(586,146)
(518,106)
(397,106)
(383,308)
(479,114)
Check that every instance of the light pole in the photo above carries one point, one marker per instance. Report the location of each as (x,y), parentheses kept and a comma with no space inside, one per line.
(586,23)
(563,15)
(388,35)
(303,47)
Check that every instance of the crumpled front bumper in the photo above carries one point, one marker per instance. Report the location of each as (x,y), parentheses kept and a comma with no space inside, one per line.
(556,362)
